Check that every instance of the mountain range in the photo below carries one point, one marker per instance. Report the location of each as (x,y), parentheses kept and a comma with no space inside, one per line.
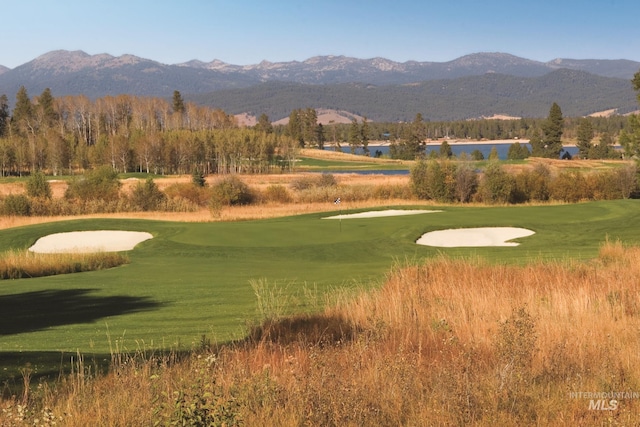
(481,84)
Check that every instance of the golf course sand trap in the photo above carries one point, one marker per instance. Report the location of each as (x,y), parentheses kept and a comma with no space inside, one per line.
(89,241)
(473,237)
(375,214)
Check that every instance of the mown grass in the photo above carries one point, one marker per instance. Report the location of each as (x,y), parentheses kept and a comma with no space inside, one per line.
(442,342)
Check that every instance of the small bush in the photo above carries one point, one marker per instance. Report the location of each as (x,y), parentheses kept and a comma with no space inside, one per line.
(199,196)
(101,183)
(277,193)
(570,187)
(496,185)
(230,191)
(37,186)
(16,204)
(147,196)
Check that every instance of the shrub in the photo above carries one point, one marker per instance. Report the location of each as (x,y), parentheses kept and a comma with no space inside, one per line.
(230,190)
(199,196)
(466,183)
(16,204)
(570,187)
(147,196)
(277,193)
(101,183)
(496,185)
(419,179)
(37,186)
(532,184)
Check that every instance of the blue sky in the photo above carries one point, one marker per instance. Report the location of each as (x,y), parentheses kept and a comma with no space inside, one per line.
(248,31)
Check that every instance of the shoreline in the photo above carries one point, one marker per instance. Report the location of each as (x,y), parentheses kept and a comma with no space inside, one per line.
(455,142)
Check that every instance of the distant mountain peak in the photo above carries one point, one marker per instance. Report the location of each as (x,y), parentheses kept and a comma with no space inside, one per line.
(61,61)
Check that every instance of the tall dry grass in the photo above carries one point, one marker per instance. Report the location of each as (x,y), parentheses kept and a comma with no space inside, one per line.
(448,342)
(17,264)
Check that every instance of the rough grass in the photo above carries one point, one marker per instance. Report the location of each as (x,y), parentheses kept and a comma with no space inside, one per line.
(18,264)
(448,342)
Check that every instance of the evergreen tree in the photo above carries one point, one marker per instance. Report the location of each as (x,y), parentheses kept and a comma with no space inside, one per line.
(445,150)
(308,123)
(585,135)
(46,109)
(320,137)
(493,154)
(537,144)
(23,111)
(4,114)
(264,124)
(354,136)
(178,103)
(294,128)
(517,151)
(552,130)
(364,136)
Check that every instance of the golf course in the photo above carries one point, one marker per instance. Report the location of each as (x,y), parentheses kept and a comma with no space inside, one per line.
(195,279)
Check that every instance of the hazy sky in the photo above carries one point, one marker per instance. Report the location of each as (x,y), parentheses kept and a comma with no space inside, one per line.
(249,31)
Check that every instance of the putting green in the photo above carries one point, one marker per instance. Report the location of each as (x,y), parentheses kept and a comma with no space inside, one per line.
(194,279)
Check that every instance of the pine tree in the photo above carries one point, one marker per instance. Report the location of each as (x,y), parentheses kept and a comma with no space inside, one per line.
(445,150)
(552,130)
(364,136)
(537,144)
(46,109)
(354,136)
(23,111)
(4,115)
(264,124)
(585,136)
(178,103)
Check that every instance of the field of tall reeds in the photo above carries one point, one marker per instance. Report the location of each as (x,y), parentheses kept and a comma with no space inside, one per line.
(448,342)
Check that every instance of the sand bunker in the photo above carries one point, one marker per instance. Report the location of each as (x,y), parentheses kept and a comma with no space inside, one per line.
(473,237)
(375,214)
(89,241)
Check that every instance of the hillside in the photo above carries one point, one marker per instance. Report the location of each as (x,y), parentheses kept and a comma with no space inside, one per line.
(578,93)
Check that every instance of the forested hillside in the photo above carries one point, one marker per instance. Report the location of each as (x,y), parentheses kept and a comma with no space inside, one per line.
(578,92)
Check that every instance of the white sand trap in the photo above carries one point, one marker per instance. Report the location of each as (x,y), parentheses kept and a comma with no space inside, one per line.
(375,214)
(474,237)
(89,241)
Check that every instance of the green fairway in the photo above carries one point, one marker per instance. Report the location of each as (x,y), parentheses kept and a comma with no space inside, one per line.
(194,279)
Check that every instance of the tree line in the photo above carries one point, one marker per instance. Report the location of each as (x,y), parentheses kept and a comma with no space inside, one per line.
(153,135)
